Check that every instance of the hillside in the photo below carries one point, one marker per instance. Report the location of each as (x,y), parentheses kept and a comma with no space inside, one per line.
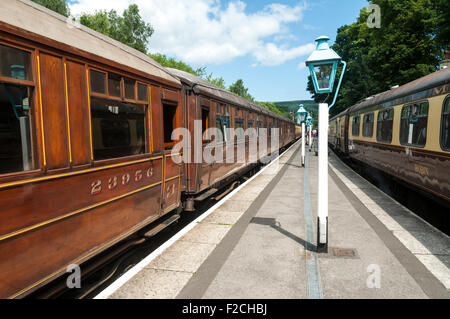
(293,106)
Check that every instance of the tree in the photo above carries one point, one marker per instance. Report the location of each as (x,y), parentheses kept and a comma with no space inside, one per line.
(59,6)
(220,82)
(238,88)
(409,45)
(272,107)
(129,28)
(174,64)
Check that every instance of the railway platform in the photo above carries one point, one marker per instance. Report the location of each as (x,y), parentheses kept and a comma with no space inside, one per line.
(259,243)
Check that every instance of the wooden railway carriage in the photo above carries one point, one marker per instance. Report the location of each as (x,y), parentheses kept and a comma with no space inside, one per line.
(83,162)
(86,150)
(404,132)
(216,107)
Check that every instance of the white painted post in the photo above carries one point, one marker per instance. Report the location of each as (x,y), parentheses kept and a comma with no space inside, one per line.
(303,144)
(322,222)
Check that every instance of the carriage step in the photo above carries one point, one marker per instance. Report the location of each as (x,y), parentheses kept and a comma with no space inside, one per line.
(205,195)
(152,232)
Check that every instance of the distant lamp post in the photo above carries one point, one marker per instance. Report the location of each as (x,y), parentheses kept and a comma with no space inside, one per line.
(302,113)
(323,64)
(309,120)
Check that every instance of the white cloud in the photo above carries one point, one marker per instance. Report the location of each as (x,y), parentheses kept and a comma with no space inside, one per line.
(301,66)
(205,31)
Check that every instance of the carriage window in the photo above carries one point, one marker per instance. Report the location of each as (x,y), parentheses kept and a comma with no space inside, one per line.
(355,126)
(413,125)
(239,128)
(118,129)
(130,93)
(250,126)
(98,82)
(169,120)
(223,124)
(114,85)
(445,130)
(16,127)
(15,63)
(385,124)
(142,92)
(205,124)
(368,125)
(258,128)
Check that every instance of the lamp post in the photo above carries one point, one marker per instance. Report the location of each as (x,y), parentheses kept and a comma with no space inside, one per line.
(301,113)
(309,125)
(322,64)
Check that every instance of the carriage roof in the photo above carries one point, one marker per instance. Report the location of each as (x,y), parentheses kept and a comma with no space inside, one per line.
(210,89)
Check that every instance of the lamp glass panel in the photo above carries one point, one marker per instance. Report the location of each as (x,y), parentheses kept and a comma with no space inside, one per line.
(323,74)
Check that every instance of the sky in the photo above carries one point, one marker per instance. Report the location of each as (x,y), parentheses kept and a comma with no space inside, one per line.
(262,42)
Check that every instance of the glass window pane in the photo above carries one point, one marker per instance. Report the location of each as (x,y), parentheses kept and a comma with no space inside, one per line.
(114,85)
(118,129)
(130,89)
(15,63)
(355,126)
(445,133)
(385,126)
(239,129)
(447,106)
(323,75)
(98,82)
(413,126)
(368,125)
(219,125)
(16,127)
(169,118)
(142,92)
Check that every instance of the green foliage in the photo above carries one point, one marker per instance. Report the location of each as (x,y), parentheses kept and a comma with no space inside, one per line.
(409,45)
(180,65)
(272,107)
(129,28)
(174,64)
(220,82)
(290,108)
(238,88)
(59,6)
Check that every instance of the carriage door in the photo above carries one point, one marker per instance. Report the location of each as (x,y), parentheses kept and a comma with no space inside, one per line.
(172,118)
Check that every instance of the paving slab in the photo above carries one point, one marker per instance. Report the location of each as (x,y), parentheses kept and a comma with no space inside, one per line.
(258,244)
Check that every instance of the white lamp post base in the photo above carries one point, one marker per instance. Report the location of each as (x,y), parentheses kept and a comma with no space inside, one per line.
(303,144)
(322,222)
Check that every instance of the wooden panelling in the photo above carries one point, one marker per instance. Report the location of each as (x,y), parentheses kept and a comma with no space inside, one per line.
(40,202)
(171,194)
(204,102)
(54,111)
(33,256)
(78,113)
(156,118)
(172,169)
(169,95)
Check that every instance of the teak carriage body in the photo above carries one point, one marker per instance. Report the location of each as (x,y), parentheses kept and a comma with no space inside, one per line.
(215,108)
(86,157)
(404,132)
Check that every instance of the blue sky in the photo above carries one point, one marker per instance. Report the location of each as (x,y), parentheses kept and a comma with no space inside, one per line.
(263,42)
